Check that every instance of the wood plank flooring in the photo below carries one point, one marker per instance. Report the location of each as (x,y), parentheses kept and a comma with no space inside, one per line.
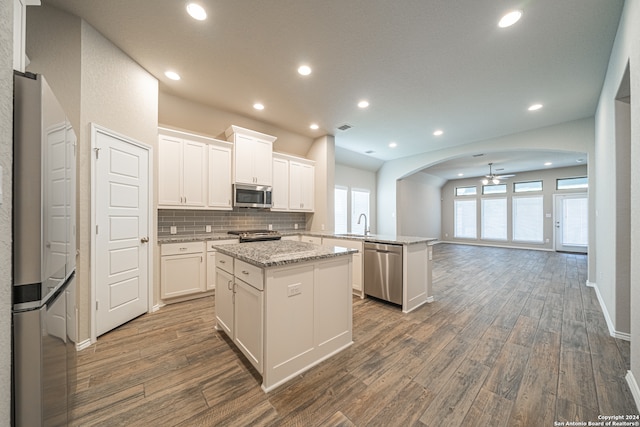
(514,338)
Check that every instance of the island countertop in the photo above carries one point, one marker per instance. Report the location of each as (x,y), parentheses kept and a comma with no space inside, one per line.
(280,252)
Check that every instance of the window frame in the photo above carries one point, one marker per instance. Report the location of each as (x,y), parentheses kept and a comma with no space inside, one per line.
(527,182)
(514,222)
(475,218)
(484,193)
(572,188)
(475,193)
(506,219)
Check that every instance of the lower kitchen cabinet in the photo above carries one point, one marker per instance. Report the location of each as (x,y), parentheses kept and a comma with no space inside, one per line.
(182,269)
(247,319)
(357,271)
(225,302)
(211,260)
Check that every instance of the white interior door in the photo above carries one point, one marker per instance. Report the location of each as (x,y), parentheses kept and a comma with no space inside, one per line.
(571,223)
(122,229)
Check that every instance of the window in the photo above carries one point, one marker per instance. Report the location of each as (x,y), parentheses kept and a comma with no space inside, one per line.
(494,189)
(465,219)
(466,191)
(359,205)
(528,219)
(523,187)
(572,183)
(494,219)
(341,216)
(575,224)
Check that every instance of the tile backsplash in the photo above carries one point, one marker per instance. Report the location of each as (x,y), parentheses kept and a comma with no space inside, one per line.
(195,221)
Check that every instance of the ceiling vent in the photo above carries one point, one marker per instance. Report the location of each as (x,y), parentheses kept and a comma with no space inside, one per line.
(478,155)
(369,152)
(345,127)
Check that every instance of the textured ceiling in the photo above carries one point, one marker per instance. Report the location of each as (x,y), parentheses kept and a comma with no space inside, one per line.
(422,64)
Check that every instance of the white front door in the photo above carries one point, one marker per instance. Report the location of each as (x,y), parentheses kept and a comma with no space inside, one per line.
(571,223)
(122,229)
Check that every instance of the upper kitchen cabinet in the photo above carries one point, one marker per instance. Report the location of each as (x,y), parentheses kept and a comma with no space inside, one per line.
(194,172)
(301,185)
(252,154)
(293,183)
(182,168)
(220,176)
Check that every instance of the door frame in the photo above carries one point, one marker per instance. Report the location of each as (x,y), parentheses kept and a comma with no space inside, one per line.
(95,130)
(556,203)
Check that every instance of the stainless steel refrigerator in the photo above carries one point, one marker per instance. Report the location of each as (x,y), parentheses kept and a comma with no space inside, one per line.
(44,252)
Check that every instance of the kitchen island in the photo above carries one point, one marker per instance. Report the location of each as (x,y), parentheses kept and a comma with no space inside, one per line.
(286,305)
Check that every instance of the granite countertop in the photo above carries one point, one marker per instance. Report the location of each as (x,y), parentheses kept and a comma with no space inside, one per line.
(376,238)
(173,238)
(281,252)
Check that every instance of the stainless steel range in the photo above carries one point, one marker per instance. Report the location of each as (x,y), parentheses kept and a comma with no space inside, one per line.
(255,235)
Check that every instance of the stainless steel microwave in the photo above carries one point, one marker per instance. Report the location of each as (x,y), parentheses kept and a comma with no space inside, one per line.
(251,196)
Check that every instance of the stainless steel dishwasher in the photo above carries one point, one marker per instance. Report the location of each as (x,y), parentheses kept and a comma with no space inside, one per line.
(383,271)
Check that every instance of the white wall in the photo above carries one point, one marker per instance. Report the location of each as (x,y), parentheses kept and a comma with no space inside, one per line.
(6,154)
(95,82)
(350,177)
(323,152)
(626,50)
(420,205)
(182,114)
(548,177)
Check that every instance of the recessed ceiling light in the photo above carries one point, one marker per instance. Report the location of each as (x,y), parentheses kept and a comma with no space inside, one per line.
(510,18)
(460,174)
(548,163)
(579,160)
(196,11)
(393,145)
(314,126)
(258,106)
(363,104)
(535,107)
(438,132)
(172,75)
(304,70)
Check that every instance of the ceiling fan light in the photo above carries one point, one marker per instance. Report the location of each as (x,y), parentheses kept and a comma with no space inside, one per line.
(485,181)
(495,181)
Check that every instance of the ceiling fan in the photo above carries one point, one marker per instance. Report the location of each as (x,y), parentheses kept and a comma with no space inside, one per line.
(492,178)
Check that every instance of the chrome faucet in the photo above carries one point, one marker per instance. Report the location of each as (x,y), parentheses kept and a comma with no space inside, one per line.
(366,229)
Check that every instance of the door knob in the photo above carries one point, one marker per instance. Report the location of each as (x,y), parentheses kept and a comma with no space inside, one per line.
(144,240)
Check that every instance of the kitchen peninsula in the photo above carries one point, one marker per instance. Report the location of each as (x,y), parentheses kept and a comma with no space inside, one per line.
(285,304)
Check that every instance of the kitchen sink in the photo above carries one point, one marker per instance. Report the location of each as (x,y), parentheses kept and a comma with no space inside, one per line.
(351,235)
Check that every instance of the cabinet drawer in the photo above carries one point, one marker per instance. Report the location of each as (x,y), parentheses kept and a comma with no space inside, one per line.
(212,243)
(181,248)
(249,274)
(224,262)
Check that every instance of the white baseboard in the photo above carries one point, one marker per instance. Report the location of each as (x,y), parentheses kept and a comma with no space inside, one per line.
(156,307)
(633,385)
(489,245)
(83,344)
(612,330)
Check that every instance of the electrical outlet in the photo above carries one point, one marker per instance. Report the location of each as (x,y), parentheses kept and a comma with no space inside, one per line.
(174,229)
(322,227)
(270,226)
(207,228)
(295,226)
(293,290)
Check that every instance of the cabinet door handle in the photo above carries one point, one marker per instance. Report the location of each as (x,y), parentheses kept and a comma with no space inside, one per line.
(245,272)
(222,261)
(229,284)
(183,249)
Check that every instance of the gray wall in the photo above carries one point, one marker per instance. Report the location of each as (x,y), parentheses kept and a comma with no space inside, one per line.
(420,205)
(548,178)
(96,83)
(6,154)
(626,50)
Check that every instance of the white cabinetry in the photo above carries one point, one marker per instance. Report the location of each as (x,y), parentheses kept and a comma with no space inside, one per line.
(182,172)
(219,177)
(240,306)
(194,172)
(301,186)
(211,260)
(252,156)
(293,183)
(357,268)
(182,269)
(280,190)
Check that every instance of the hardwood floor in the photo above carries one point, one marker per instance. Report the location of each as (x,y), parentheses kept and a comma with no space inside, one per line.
(514,338)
